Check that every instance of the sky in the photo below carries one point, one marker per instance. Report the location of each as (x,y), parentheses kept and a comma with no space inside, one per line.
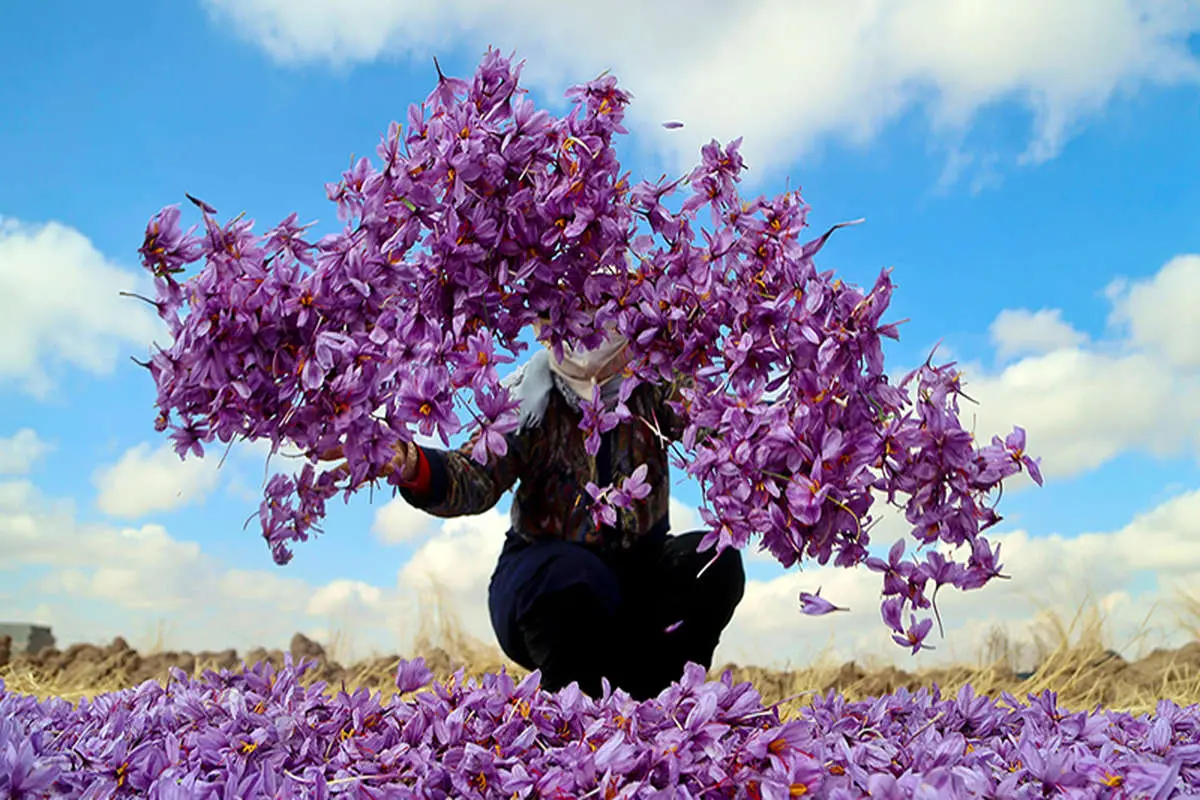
(1027,169)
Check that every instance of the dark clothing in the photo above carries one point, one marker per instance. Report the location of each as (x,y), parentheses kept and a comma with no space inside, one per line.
(551,469)
(579,615)
(577,600)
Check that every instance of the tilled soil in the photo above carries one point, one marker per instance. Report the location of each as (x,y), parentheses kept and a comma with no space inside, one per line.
(117,664)
(1083,677)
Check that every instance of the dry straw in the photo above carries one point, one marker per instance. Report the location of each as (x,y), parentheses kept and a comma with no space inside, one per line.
(1076,659)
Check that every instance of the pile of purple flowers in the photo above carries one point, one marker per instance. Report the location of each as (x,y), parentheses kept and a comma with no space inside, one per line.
(487,215)
(258,733)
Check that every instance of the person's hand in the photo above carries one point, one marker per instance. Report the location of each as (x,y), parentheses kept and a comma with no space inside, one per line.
(335,454)
(406,462)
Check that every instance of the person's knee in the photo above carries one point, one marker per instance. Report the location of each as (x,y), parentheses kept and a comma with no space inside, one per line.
(728,576)
(570,595)
(725,572)
(579,578)
(544,590)
(568,636)
(572,605)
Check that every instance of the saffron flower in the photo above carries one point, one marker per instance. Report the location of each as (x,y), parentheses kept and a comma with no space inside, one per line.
(486,216)
(815,605)
(257,732)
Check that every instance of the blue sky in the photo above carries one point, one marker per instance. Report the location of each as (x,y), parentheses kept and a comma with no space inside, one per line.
(121,111)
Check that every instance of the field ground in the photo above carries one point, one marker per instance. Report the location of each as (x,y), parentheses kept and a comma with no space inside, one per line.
(1074,660)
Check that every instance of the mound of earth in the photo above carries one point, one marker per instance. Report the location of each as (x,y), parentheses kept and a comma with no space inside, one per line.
(117,664)
(1106,678)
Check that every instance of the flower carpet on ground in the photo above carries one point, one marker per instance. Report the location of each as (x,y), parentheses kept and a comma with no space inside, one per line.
(260,733)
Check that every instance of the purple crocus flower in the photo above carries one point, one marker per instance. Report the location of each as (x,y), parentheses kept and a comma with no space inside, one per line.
(21,774)
(815,605)
(914,637)
(1015,442)
(425,401)
(602,510)
(489,441)
(488,213)
(632,488)
(167,249)
(895,570)
(447,90)
(805,497)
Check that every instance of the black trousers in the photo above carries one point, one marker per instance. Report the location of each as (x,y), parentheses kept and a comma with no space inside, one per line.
(634,617)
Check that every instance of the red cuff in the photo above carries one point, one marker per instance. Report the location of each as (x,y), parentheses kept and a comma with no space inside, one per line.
(420,484)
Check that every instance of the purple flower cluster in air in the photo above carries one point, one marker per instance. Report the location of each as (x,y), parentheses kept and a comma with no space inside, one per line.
(486,214)
(260,734)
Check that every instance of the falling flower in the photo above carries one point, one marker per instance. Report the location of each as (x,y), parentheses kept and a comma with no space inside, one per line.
(815,605)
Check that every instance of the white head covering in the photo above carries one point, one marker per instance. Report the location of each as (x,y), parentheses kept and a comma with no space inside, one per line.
(575,376)
(582,370)
(576,373)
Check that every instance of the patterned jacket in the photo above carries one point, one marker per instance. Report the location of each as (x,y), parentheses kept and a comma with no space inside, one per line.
(551,469)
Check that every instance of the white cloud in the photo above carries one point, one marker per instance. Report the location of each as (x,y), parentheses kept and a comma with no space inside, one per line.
(684,518)
(785,73)
(460,558)
(1049,573)
(1022,332)
(455,566)
(1083,408)
(342,596)
(397,522)
(19,452)
(1084,403)
(1161,312)
(62,306)
(146,482)
(98,581)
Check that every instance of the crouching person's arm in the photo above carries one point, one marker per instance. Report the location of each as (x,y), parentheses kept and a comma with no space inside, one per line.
(450,483)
